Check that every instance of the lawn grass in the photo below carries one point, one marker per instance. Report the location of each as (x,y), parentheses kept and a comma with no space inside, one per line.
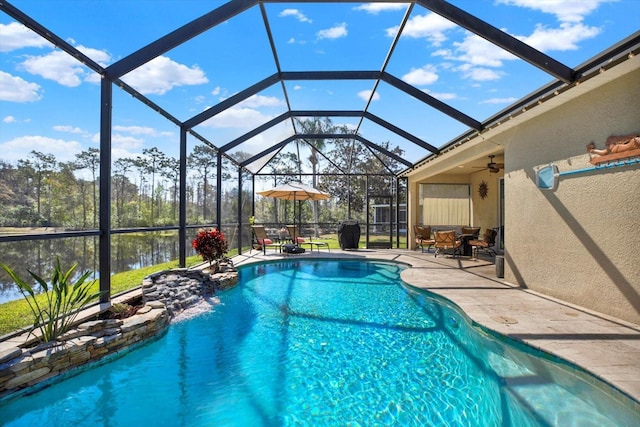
(16,314)
(332,240)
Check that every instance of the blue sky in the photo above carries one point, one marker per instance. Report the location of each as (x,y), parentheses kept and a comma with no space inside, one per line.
(50,103)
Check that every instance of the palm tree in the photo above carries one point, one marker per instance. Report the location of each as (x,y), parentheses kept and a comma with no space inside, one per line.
(315,125)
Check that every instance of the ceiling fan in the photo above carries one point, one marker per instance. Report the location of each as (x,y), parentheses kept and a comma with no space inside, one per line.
(492,166)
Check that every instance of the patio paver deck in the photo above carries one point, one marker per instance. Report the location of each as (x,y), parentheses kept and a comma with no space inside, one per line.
(607,347)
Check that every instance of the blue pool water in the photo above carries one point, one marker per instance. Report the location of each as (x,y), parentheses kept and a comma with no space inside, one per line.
(324,343)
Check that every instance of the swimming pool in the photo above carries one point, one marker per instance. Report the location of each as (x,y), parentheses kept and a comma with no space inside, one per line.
(325,343)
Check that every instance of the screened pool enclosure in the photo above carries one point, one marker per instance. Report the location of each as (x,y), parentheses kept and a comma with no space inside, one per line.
(179,145)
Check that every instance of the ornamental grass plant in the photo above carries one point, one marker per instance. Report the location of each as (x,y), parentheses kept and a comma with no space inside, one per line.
(64,297)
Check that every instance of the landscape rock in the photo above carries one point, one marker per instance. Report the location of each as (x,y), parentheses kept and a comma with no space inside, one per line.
(164,295)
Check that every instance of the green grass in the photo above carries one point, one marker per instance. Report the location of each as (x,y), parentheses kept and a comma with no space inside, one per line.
(16,314)
(332,240)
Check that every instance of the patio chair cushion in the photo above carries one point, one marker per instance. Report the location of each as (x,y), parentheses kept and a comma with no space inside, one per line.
(487,242)
(423,237)
(446,240)
(295,233)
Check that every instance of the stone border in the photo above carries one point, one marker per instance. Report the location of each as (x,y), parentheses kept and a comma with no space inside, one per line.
(165,294)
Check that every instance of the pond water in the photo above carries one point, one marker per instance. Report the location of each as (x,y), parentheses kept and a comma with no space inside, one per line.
(326,343)
(129,252)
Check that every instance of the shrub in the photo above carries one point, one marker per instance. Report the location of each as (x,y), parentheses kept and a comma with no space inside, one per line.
(211,245)
(64,299)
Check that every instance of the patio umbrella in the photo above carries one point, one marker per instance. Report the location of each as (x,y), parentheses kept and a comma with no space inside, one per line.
(295,191)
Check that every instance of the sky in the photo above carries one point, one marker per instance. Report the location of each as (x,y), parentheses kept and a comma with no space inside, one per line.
(50,103)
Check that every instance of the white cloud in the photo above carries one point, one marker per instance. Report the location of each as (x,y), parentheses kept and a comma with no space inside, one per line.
(123,153)
(100,56)
(477,55)
(443,52)
(336,32)
(431,27)
(565,10)
(297,87)
(16,89)
(242,118)
(123,146)
(161,74)
(142,130)
(17,36)
(296,14)
(421,76)
(479,73)
(57,66)
(9,119)
(264,139)
(255,101)
(366,94)
(443,96)
(69,129)
(475,50)
(19,148)
(564,38)
(119,141)
(508,100)
(375,8)
(63,68)
(216,91)
(135,130)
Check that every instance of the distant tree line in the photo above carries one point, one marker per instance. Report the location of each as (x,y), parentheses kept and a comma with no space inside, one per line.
(40,191)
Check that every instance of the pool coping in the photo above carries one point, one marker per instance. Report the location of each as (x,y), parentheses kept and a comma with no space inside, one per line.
(606,347)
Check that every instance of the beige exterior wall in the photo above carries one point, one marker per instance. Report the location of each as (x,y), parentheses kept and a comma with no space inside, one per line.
(580,242)
(484,212)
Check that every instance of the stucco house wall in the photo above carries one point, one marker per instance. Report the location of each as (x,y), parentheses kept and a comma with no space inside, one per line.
(580,242)
(485,211)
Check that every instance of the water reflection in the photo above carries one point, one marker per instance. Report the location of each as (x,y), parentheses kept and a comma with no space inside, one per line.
(129,252)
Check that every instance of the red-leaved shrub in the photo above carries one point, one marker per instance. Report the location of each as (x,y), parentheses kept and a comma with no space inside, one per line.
(211,245)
